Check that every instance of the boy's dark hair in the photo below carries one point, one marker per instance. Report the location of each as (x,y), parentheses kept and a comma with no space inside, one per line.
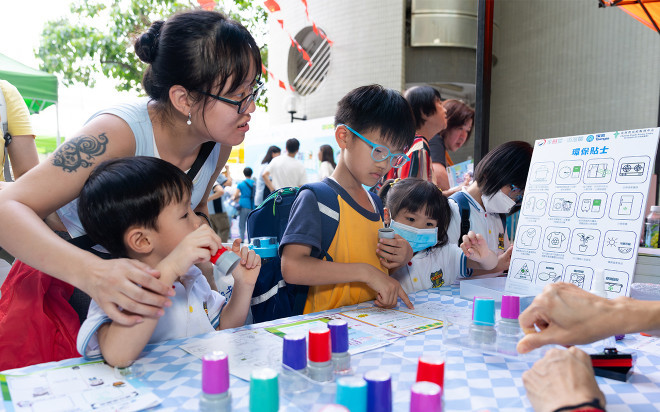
(199,50)
(247,172)
(457,114)
(422,100)
(507,164)
(127,192)
(269,154)
(292,145)
(375,108)
(413,195)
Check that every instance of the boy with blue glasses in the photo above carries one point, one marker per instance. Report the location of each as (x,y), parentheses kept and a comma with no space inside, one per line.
(373,128)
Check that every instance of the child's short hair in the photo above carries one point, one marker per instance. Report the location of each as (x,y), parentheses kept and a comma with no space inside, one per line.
(126,192)
(247,172)
(414,194)
(507,164)
(375,108)
(423,101)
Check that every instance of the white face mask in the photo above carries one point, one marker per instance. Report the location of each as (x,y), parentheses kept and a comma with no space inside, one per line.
(498,203)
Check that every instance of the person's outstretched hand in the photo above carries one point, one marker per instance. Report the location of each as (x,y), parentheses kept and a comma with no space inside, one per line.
(129,284)
(475,248)
(566,315)
(561,378)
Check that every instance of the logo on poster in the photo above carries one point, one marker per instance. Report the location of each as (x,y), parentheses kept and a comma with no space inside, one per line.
(590,138)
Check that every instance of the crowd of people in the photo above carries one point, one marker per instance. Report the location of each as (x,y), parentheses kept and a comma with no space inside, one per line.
(120,184)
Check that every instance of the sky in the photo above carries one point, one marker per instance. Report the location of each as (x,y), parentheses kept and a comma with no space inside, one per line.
(23,23)
(20,31)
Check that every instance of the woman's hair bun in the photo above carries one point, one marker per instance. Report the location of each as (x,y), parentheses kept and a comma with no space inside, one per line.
(146,45)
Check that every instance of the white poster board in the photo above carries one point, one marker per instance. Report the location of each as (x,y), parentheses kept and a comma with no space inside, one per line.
(583,210)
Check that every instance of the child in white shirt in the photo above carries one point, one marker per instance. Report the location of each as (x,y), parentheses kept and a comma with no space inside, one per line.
(417,211)
(139,208)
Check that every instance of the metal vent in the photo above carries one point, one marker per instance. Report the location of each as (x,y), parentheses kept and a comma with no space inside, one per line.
(304,78)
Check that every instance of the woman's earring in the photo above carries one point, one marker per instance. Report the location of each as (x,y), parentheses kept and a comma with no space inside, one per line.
(189,122)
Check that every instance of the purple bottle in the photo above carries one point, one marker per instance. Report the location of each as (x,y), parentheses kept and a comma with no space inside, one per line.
(508,328)
(215,383)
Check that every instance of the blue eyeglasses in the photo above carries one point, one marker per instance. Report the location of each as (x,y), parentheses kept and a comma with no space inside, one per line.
(242,104)
(380,153)
(516,194)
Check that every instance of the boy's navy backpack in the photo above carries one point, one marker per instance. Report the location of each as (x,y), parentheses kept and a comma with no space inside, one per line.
(272,297)
(464,208)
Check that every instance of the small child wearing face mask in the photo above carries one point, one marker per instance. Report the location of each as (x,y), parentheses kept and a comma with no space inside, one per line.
(418,212)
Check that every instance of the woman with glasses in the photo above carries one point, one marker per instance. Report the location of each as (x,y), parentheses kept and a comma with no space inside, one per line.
(202,78)
(460,118)
(496,192)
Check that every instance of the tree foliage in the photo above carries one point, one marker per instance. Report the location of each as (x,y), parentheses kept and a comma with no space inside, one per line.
(98,38)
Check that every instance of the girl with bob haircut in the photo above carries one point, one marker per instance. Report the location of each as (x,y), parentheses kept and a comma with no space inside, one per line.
(417,211)
(201,80)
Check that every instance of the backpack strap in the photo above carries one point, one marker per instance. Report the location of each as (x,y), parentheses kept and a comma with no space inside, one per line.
(464,208)
(203,154)
(5,135)
(329,208)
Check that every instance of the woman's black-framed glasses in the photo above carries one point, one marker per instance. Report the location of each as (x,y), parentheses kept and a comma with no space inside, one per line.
(242,104)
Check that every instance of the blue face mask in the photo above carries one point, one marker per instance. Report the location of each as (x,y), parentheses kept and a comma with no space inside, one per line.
(419,239)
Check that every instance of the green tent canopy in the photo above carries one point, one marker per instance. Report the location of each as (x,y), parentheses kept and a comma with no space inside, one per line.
(39,89)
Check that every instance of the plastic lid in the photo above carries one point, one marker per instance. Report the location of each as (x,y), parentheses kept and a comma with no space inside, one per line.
(215,373)
(338,335)
(425,397)
(319,345)
(265,247)
(264,391)
(294,351)
(484,312)
(655,209)
(510,307)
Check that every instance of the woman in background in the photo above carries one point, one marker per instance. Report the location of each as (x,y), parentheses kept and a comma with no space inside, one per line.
(327,158)
(460,118)
(261,190)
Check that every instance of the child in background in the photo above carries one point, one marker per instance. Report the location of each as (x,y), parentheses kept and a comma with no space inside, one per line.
(245,196)
(139,208)
(496,191)
(373,127)
(420,214)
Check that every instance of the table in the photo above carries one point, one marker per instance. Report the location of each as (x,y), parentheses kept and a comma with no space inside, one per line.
(473,380)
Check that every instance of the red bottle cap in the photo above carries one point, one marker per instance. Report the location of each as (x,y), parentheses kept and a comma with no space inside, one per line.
(319,345)
(219,253)
(431,369)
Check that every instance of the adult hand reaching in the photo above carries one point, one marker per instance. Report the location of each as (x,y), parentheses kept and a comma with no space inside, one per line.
(129,284)
(567,315)
(560,379)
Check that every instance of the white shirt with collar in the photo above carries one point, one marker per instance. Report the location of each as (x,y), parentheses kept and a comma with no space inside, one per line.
(489,225)
(195,310)
(286,171)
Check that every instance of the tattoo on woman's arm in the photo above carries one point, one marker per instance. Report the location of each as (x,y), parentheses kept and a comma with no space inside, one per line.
(79,152)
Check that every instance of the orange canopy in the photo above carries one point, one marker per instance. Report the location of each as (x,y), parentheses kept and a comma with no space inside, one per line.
(645,11)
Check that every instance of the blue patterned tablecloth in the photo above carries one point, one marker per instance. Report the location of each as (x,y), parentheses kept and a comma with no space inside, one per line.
(473,380)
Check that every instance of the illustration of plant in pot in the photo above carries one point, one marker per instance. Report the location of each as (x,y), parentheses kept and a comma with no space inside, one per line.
(583,241)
